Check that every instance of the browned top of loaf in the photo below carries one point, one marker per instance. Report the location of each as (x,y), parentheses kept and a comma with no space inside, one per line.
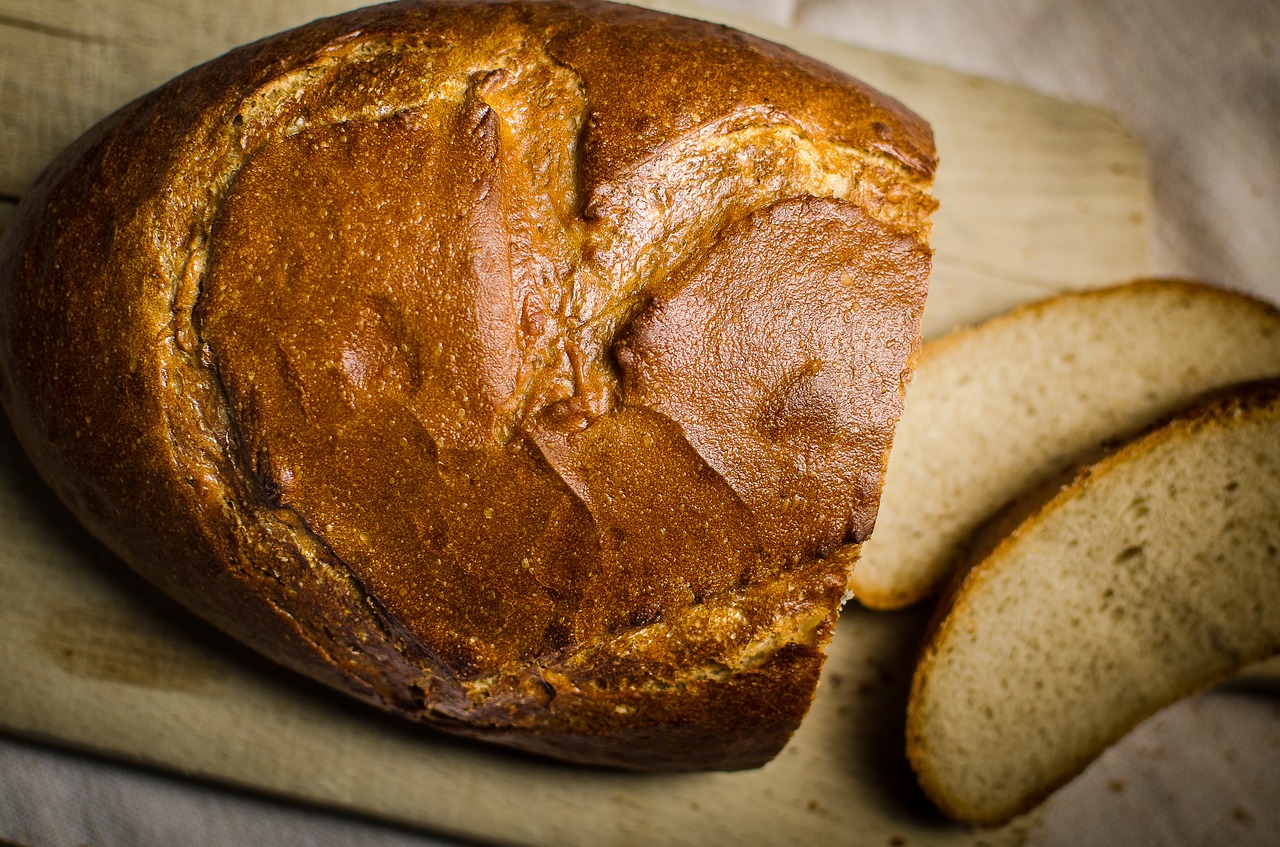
(454,353)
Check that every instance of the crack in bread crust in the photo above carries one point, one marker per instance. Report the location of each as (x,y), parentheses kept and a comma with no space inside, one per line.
(618,274)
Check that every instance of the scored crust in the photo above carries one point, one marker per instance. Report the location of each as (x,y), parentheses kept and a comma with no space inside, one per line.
(525,368)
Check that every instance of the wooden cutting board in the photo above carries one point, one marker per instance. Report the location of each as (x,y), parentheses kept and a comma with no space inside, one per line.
(1037,196)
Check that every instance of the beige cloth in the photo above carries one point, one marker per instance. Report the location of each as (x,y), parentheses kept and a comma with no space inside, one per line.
(1199,84)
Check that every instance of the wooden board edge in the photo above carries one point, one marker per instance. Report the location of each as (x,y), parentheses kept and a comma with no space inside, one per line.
(8,207)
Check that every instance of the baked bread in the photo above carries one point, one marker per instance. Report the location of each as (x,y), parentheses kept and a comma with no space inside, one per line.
(997,409)
(524,368)
(1152,574)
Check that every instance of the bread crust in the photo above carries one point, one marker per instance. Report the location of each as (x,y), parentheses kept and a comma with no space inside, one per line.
(324,338)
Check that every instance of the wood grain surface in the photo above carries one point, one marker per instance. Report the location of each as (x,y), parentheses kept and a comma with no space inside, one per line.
(1037,196)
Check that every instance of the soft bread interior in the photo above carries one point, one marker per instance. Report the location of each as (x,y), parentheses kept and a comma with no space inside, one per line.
(996,410)
(1153,574)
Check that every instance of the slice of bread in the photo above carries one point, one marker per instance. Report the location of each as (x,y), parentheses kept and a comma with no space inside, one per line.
(1154,573)
(997,409)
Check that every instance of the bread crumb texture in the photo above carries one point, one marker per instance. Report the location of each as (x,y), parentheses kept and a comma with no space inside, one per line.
(996,410)
(1153,574)
(527,368)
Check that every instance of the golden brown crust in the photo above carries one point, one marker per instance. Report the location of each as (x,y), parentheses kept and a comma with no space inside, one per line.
(369,337)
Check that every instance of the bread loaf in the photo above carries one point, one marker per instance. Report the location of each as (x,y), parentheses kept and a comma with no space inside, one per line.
(528,369)
(996,410)
(1152,574)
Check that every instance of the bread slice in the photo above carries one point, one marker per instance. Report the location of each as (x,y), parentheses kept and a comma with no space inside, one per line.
(997,409)
(1153,574)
